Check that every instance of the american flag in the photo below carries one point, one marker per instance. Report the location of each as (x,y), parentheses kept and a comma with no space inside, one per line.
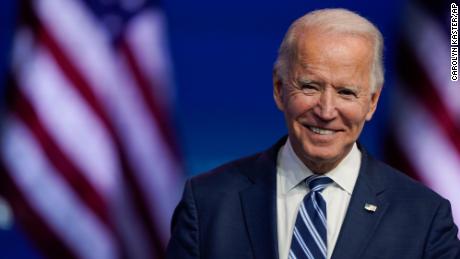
(426,111)
(88,159)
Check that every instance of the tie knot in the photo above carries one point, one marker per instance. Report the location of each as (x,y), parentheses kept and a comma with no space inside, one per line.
(317,183)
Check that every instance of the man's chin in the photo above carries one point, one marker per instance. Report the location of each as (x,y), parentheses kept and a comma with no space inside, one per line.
(324,157)
(321,152)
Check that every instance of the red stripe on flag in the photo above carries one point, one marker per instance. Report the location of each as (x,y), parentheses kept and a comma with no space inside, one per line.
(68,170)
(84,89)
(419,84)
(159,114)
(75,178)
(47,240)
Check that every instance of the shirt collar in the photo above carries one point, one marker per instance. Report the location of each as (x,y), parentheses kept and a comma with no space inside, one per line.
(294,170)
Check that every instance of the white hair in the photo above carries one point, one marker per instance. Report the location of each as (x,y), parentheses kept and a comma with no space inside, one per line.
(332,20)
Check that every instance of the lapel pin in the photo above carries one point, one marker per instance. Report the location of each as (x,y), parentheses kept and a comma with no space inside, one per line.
(370,207)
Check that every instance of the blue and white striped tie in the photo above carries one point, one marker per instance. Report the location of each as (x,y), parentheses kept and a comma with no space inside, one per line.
(309,239)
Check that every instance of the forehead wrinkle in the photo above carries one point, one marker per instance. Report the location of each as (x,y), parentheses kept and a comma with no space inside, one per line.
(316,65)
(318,41)
(315,73)
(309,74)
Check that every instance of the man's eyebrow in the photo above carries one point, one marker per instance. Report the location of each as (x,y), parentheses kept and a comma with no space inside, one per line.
(352,87)
(306,80)
(348,86)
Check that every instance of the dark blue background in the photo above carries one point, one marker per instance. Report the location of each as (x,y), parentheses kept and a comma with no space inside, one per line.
(223,52)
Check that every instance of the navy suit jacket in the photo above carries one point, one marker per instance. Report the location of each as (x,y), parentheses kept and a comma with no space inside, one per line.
(230,212)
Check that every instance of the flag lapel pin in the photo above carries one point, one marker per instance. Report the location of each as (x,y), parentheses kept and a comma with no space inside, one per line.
(370,207)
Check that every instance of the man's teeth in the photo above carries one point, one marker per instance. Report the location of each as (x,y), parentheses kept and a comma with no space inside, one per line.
(321,131)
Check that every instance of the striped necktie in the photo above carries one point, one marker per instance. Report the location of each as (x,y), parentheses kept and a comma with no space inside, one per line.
(309,239)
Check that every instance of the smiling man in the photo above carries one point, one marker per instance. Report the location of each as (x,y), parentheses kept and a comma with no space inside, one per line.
(325,90)
(316,193)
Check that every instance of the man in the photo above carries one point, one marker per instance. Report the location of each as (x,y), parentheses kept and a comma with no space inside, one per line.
(316,194)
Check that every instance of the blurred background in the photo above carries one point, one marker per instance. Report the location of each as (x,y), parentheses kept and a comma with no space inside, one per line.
(108,105)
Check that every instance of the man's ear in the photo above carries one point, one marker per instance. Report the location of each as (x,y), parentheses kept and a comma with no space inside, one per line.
(278,91)
(373,106)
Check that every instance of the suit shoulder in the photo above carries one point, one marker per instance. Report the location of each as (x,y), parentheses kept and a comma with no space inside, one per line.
(404,186)
(230,175)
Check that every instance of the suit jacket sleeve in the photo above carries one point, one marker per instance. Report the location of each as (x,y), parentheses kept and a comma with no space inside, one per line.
(184,242)
(443,241)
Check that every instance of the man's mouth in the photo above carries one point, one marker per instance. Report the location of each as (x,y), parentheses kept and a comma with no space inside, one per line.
(321,131)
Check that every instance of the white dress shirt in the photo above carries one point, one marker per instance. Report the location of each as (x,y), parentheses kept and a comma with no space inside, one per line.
(291,189)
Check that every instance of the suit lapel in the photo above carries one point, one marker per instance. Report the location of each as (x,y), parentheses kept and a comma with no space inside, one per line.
(260,215)
(259,208)
(259,205)
(360,223)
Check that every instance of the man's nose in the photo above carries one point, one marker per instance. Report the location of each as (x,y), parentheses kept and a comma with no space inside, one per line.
(326,108)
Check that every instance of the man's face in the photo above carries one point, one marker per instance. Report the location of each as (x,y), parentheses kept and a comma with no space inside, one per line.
(327,96)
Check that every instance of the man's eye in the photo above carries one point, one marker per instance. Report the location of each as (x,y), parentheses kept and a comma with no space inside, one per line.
(309,87)
(347,92)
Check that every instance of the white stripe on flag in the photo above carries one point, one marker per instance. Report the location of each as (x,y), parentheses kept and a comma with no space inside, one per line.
(89,48)
(430,43)
(147,38)
(150,155)
(84,41)
(72,124)
(66,118)
(432,155)
(128,223)
(50,196)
